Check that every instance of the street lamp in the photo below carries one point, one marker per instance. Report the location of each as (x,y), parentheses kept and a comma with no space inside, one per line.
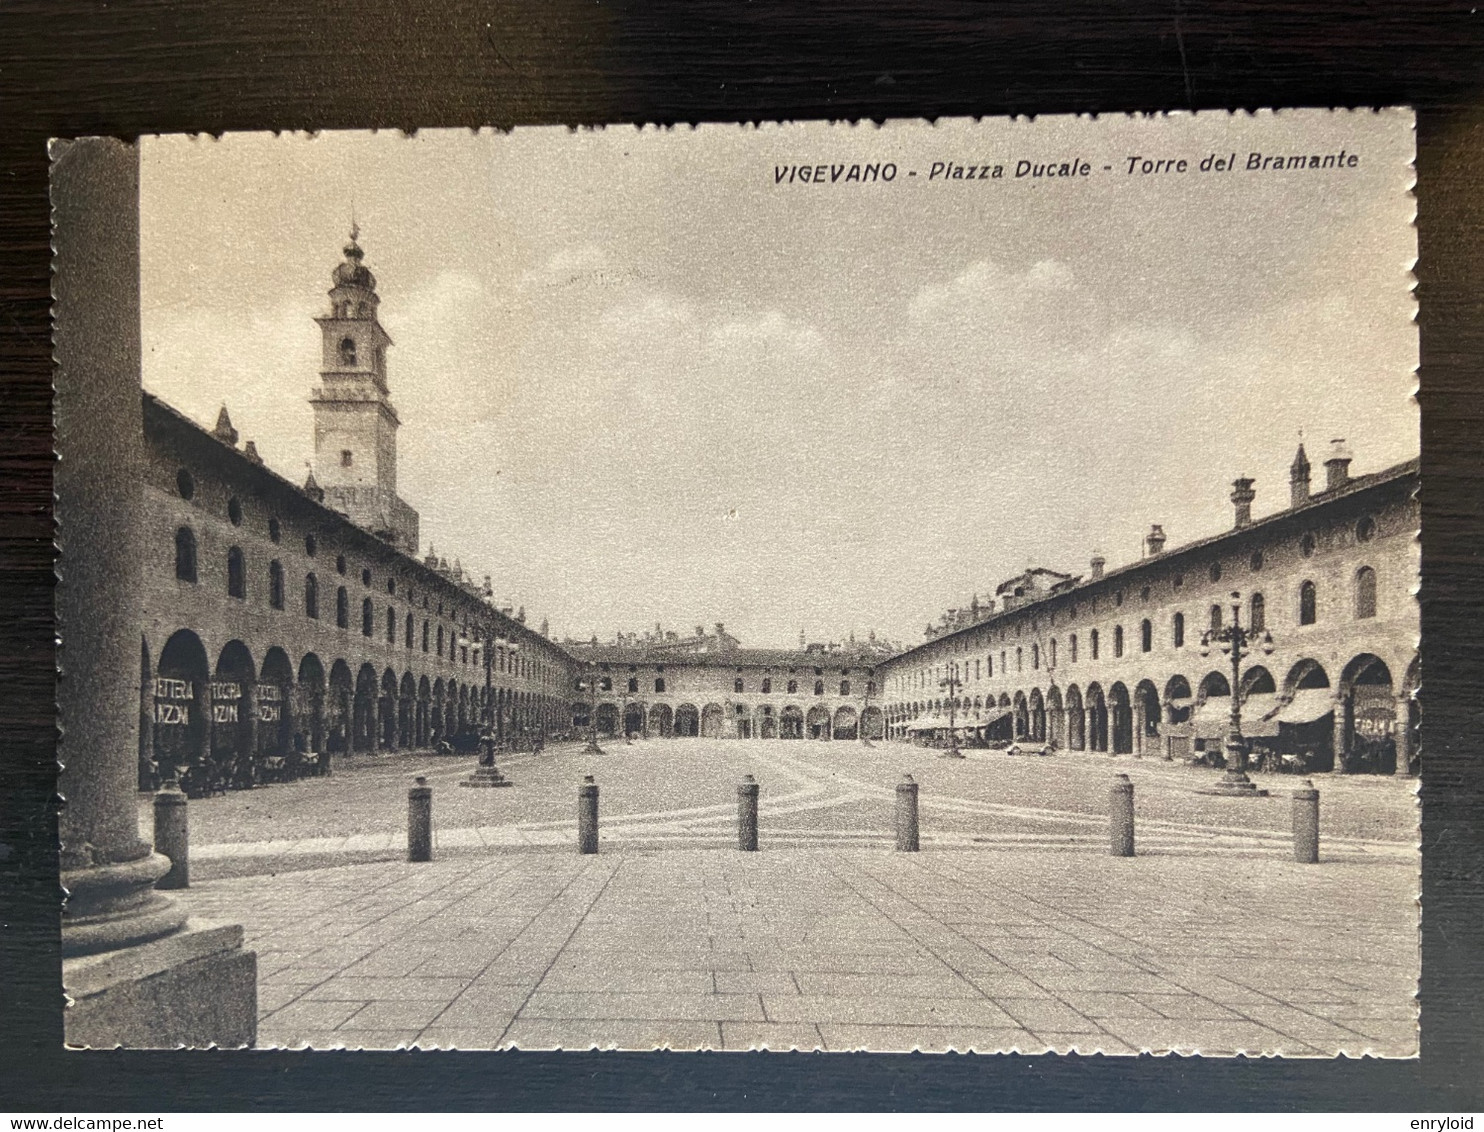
(623,715)
(951,683)
(1235,642)
(866,707)
(592,747)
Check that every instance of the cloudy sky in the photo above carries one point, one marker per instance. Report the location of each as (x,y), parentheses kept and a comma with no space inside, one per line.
(640,381)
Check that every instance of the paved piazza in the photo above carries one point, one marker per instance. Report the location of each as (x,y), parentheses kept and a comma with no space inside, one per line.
(1012,929)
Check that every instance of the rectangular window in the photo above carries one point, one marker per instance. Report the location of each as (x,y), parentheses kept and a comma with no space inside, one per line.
(345,457)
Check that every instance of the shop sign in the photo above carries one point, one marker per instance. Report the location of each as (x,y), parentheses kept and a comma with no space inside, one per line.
(270,703)
(173,699)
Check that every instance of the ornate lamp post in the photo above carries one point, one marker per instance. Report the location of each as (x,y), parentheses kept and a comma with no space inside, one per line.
(510,668)
(592,747)
(1236,642)
(951,684)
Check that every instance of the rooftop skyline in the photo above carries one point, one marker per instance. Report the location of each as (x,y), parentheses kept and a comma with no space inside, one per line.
(639,381)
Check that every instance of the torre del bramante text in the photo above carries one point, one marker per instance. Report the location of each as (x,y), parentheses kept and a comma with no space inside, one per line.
(287,623)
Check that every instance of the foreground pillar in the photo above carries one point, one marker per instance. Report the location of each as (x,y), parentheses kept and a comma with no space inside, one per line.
(907,841)
(1121,817)
(1306,824)
(138,973)
(747,791)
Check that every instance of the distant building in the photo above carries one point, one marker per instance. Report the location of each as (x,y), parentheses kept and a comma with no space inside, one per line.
(1112,661)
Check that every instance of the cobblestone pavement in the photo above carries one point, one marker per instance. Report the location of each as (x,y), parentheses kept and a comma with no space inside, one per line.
(1013,929)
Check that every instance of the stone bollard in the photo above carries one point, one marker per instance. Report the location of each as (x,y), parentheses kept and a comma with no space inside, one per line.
(420,821)
(747,814)
(907,815)
(173,835)
(587,815)
(1306,824)
(1121,816)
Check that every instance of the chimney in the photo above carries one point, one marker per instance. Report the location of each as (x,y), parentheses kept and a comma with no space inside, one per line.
(1298,479)
(1337,466)
(224,430)
(1098,562)
(1154,541)
(250,450)
(1242,497)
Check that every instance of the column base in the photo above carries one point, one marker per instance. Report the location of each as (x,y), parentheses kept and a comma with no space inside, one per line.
(195,988)
(484,776)
(1234,786)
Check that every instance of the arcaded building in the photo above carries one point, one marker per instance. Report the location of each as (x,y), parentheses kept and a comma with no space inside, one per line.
(284,620)
(728,692)
(1112,660)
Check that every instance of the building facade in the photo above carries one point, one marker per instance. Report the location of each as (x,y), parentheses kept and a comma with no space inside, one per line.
(1113,660)
(282,621)
(732,693)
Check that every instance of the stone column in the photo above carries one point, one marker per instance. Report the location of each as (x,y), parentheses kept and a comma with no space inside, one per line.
(1339,736)
(137,972)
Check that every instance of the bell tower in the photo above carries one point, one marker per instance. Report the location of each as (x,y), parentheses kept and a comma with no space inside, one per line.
(355,425)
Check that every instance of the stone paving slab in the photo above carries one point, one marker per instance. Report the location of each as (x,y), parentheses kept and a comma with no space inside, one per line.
(836,948)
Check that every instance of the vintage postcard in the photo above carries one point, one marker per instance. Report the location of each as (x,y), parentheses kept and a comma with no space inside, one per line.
(904,586)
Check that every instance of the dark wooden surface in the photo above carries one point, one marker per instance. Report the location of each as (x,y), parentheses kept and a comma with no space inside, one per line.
(71,68)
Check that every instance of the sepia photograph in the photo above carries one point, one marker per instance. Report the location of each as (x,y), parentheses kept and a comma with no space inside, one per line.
(938,586)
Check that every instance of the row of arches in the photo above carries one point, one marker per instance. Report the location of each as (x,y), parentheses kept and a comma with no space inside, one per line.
(1364,723)
(229,721)
(733,720)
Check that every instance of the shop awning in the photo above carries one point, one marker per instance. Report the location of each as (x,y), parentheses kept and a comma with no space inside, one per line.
(1179,702)
(1211,717)
(1307,705)
(927,723)
(994,716)
(1255,711)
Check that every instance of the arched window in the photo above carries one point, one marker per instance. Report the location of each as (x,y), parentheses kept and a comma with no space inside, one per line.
(185,554)
(818,687)
(236,573)
(1308,604)
(1215,618)
(1071,647)
(1036,656)
(347,351)
(870,687)
(391,625)
(440,640)
(737,684)
(989,666)
(311,595)
(425,635)
(368,617)
(275,584)
(1092,643)
(1019,659)
(1117,640)
(411,629)
(845,687)
(659,684)
(634,684)
(1179,630)
(1365,592)
(1146,635)
(1257,617)
(767,684)
(342,608)
(1051,662)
